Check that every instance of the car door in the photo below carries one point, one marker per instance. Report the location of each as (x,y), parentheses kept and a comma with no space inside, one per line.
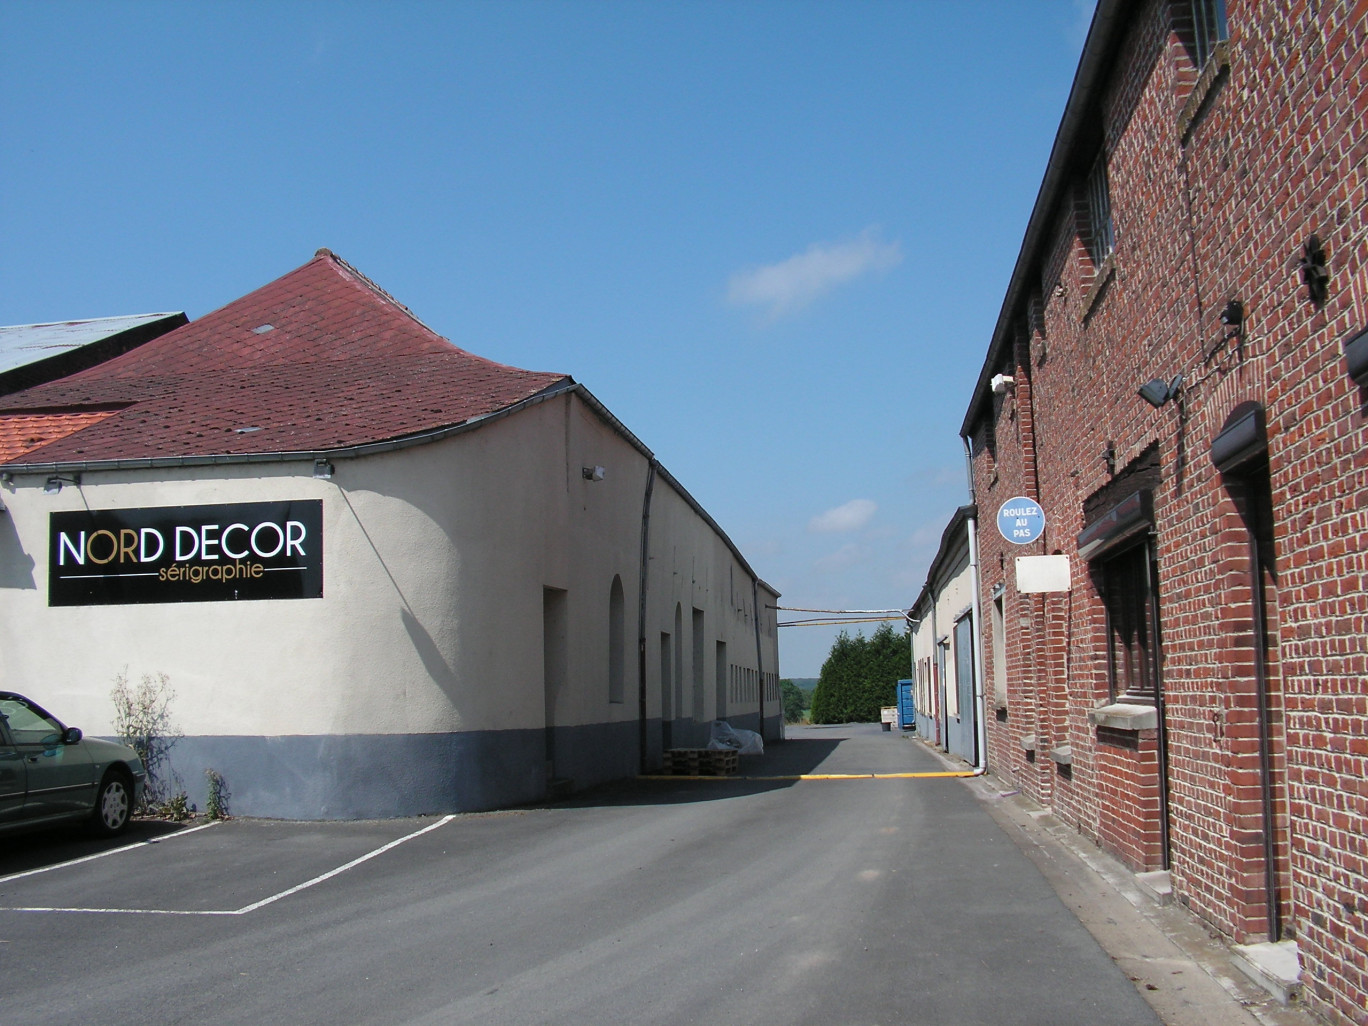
(12,777)
(60,776)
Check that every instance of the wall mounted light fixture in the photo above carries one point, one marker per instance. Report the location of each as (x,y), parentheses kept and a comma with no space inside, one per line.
(1156,392)
(53,485)
(593,473)
(323,469)
(1002,382)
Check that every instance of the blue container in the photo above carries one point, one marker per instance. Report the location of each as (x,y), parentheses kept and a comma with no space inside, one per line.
(907,705)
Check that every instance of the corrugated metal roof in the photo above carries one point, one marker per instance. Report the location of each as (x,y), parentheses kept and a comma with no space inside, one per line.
(22,344)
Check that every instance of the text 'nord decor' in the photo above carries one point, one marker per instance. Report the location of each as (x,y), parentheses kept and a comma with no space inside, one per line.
(256,550)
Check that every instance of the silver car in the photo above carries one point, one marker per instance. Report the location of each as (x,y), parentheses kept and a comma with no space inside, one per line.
(51,774)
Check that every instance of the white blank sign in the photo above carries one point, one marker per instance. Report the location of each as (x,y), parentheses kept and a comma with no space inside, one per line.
(1042,573)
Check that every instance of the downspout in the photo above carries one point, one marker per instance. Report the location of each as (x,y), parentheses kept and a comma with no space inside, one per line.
(938,685)
(981,712)
(759,652)
(1256,559)
(641,613)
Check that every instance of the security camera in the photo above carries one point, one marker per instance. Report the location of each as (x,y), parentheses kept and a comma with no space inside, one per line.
(1002,382)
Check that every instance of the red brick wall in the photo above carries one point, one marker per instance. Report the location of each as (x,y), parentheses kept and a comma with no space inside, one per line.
(1278,151)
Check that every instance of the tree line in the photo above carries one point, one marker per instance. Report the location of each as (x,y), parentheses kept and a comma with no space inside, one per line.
(860,676)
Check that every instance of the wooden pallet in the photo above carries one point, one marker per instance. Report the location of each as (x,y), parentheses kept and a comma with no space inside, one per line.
(701,762)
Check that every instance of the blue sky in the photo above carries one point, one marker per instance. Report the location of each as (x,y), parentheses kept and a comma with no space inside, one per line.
(773,238)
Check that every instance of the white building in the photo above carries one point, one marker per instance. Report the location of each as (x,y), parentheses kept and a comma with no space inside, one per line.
(944,644)
(384,576)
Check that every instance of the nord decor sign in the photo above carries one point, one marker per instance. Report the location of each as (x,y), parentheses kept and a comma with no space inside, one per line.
(254,550)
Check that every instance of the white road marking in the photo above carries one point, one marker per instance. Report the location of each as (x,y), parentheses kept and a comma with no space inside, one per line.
(341,869)
(217,912)
(103,854)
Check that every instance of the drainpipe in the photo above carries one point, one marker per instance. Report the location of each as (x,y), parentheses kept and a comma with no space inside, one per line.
(759,652)
(981,710)
(938,671)
(980,703)
(641,613)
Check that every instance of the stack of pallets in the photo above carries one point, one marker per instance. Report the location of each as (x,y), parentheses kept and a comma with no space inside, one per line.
(701,762)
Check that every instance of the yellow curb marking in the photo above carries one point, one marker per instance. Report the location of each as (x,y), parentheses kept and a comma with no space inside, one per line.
(813,776)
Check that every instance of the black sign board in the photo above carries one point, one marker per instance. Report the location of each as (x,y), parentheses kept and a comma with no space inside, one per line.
(254,550)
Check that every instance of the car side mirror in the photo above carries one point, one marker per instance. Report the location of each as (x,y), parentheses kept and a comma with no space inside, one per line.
(71,735)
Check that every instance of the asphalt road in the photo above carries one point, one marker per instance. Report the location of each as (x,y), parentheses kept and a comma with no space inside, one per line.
(870,901)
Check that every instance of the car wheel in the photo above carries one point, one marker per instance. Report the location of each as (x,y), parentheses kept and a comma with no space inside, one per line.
(113,805)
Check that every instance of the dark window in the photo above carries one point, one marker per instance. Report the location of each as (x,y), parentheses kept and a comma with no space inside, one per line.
(1208,28)
(1132,646)
(1100,236)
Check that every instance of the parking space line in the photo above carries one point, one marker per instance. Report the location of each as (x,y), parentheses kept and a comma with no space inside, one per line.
(342,869)
(103,854)
(224,912)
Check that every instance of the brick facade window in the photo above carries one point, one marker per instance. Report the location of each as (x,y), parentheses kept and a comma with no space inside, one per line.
(1132,645)
(1119,546)
(1208,29)
(1099,225)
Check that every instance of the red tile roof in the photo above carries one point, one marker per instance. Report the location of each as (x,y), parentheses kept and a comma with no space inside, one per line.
(319,359)
(20,433)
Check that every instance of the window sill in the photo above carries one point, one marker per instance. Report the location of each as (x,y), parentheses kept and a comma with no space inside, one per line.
(1104,274)
(1217,64)
(1063,755)
(1028,742)
(1125,716)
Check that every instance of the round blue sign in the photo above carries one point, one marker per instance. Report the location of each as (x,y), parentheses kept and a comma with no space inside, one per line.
(1021,520)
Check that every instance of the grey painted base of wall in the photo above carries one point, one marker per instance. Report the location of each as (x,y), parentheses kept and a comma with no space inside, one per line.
(596,753)
(380,776)
(774,727)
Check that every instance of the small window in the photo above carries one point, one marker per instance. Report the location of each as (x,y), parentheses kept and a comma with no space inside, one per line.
(1127,585)
(1100,235)
(1208,29)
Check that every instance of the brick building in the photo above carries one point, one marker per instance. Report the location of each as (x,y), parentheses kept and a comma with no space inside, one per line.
(1181,359)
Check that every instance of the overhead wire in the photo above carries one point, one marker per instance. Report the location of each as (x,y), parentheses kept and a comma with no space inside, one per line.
(838,617)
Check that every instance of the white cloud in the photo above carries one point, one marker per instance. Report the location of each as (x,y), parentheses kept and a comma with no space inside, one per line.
(850,517)
(792,284)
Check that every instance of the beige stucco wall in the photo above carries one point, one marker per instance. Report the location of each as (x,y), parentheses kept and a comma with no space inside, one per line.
(436,557)
(951,596)
(692,569)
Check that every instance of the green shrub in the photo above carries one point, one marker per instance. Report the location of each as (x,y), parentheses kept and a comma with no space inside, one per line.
(216,802)
(142,720)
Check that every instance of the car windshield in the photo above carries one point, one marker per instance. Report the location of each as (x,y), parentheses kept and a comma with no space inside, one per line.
(27,724)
